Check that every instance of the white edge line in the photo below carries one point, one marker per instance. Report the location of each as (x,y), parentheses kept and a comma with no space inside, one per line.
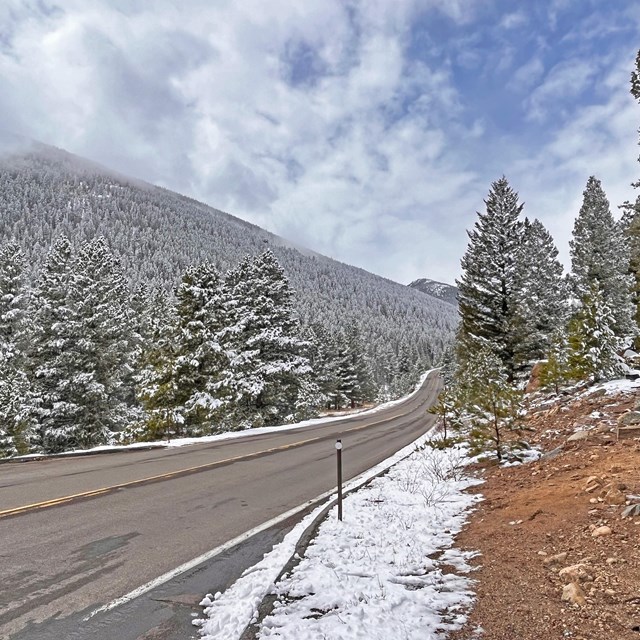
(183,568)
(364,477)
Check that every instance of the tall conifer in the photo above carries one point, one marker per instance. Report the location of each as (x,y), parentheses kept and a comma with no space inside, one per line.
(488,288)
(599,256)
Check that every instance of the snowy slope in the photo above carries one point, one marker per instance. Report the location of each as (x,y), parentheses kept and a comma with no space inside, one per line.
(439,290)
(157,233)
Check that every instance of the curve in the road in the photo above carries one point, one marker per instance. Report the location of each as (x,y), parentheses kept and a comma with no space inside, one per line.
(182,472)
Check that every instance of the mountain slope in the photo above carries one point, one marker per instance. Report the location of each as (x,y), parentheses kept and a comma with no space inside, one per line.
(157,233)
(438,290)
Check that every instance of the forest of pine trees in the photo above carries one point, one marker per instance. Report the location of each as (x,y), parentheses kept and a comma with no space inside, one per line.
(157,234)
(517,309)
(129,312)
(85,362)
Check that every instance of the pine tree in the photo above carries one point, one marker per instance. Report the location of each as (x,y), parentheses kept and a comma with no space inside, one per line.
(542,294)
(363,389)
(488,289)
(556,370)
(593,344)
(97,356)
(493,404)
(270,366)
(599,254)
(448,364)
(322,358)
(155,383)
(204,365)
(450,408)
(183,387)
(13,300)
(52,317)
(15,426)
(631,218)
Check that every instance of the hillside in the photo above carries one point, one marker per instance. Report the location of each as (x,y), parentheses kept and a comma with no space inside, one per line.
(557,557)
(439,290)
(158,233)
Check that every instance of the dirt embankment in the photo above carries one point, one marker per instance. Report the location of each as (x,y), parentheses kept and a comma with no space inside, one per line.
(558,560)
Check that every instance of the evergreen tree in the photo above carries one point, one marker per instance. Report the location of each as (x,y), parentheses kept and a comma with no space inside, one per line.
(202,362)
(52,318)
(593,344)
(631,217)
(270,368)
(363,389)
(322,359)
(15,426)
(184,382)
(448,365)
(97,355)
(156,383)
(556,370)
(13,301)
(488,289)
(451,409)
(599,254)
(493,404)
(542,304)
(407,369)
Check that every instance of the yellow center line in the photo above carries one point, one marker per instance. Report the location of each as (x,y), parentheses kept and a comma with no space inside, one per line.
(165,476)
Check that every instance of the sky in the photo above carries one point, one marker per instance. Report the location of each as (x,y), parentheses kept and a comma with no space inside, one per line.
(367,130)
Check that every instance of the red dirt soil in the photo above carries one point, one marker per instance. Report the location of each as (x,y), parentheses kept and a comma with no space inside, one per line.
(534,511)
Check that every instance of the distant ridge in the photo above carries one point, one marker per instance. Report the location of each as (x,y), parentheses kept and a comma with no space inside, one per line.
(439,290)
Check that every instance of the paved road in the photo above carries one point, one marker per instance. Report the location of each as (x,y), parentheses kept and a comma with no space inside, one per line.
(147,512)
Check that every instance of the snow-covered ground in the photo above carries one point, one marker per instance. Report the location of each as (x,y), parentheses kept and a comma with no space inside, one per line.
(387,571)
(183,442)
(615,387)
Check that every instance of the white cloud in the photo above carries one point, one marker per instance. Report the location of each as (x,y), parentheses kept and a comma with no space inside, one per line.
(527,75)
(567,79)
(310,119)
(514,20)
(598,140)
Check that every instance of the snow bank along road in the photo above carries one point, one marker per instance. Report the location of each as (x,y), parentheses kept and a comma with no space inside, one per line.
(79,533)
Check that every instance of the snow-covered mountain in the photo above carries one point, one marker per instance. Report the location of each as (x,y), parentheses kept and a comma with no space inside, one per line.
(439,290)
(157,233)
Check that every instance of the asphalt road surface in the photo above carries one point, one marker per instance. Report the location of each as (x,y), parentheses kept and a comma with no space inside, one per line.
(77,533)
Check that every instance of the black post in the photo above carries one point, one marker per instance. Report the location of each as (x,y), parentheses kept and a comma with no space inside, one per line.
(339,460)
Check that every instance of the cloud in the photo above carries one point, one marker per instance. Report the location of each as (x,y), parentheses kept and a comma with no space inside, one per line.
(599,139)
(514,20)
(328,122)
(566,80)
(527,75)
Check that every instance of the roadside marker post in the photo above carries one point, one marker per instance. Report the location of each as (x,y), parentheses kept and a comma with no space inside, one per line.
(339,461)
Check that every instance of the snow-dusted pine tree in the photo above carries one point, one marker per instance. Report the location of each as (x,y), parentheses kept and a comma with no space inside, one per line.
(322,359)
(488,288)
(631,217)
(98,353)
(51,333)
(593,344)
(155,379)
(493,405)
(183,382)
(556,370)
(15,426)
(269,362)
(203,365)
(542,304)
(599,254)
